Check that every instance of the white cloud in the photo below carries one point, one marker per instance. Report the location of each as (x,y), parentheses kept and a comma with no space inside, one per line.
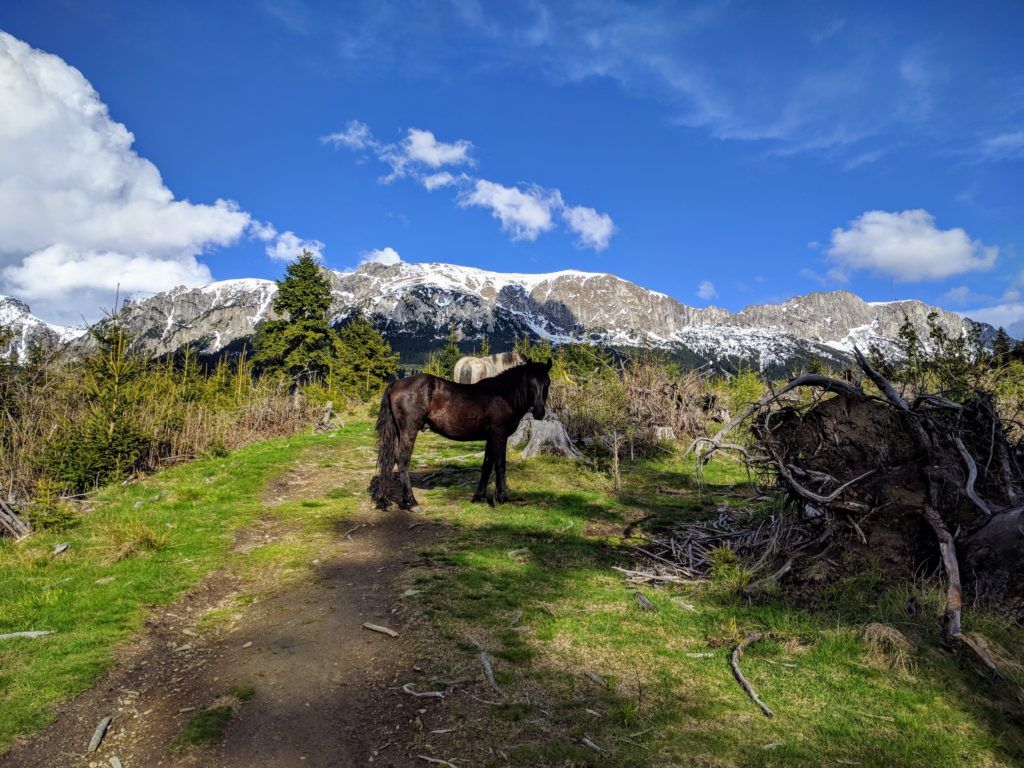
(422,146)
(388,256)
(595,229)
(442,179)
(419,150)
(1003,146)
(960,295)
(524,214)
(356,135)
(906,246)
(85,282)
(80,212)
(706,290)
(287,246)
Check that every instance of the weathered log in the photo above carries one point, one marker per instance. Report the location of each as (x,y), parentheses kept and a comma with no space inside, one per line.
(11,523)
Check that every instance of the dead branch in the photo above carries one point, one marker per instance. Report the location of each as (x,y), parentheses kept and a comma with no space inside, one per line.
(769,581)
(734,662)
(485,662)
(407,688)
(826,383)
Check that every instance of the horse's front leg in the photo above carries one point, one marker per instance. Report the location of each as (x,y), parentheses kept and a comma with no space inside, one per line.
(485,475)
(500,490)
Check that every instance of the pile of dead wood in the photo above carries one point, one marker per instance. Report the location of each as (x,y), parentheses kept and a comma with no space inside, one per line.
(940,474)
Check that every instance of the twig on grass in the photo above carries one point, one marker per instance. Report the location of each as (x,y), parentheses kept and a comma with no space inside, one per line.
(734,662)
(485,661)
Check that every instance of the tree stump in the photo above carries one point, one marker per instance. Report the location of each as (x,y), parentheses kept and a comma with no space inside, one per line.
(545,436)
(664,434)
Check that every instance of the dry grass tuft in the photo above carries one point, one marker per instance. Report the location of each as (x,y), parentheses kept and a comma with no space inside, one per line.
(118,540)
(888,648)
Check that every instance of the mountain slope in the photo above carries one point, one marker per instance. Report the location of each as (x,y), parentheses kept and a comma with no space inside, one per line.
(28,330)
(416,305)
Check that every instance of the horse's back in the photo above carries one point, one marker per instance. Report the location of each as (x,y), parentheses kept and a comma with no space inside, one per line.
(470,370)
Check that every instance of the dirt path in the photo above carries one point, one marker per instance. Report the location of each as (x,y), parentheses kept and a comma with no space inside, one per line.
(324,691)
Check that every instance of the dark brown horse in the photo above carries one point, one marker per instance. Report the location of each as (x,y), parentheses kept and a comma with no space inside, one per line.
(488,410)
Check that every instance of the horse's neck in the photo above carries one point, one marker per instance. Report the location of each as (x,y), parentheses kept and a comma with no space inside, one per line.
(517,396)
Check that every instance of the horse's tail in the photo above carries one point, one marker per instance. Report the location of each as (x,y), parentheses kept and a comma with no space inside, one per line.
(387,451)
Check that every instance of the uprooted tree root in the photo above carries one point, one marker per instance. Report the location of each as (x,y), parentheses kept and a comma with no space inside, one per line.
(929,469)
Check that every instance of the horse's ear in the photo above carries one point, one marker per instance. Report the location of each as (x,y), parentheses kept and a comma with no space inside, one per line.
(549,363)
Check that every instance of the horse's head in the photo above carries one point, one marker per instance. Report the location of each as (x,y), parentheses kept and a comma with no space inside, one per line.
(538,379)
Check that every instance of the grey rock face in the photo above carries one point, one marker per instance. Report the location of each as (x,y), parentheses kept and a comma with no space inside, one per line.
(27,330)
(416,305)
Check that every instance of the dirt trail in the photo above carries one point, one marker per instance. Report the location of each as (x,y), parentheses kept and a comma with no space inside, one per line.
(326,691)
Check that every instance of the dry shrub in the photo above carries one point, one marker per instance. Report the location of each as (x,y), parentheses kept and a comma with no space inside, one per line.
(632,407)
(70,424)
(888,648)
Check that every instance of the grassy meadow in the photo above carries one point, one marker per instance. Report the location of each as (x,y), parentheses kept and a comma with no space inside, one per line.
(533,582)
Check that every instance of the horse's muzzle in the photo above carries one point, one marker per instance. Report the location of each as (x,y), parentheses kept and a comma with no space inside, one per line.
(538,412)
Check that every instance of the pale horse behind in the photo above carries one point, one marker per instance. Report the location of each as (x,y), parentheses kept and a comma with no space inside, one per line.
(469,370)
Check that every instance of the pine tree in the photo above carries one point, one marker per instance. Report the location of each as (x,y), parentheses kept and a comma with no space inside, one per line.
(485,346)
(450,355)
(433,365)
(365,360)
(1002,345)
(301,344)
(109,442)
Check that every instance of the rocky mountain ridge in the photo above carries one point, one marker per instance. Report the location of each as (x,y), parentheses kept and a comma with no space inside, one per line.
(27,330)
(416,306)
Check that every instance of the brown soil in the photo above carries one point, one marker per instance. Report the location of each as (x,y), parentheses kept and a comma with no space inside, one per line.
(327,692)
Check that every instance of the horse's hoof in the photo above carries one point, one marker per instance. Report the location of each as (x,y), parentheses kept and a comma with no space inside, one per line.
(500,498)
(479,498)
(416,508)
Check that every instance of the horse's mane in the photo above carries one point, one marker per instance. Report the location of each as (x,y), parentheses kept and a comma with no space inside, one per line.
(511,381)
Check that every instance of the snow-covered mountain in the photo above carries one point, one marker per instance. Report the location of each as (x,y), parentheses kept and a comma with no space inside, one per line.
(417,305)
(27,330)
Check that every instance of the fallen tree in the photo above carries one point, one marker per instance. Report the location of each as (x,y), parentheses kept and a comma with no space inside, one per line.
(928,471)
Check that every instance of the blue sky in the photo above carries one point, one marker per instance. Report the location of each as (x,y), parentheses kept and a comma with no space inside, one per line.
(723,153)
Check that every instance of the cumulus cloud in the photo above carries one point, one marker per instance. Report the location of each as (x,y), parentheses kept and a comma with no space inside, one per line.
(525,211)
(524,214)
(907,246)
(285,246)
(706,290)
(59,273)
(388,256)
(419,150)
(442,179)
(423,147)
(595,229)
(80,212)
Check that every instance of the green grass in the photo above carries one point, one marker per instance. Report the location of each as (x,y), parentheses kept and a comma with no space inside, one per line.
(672,699)
(205,728)
(142,545)
(533,581)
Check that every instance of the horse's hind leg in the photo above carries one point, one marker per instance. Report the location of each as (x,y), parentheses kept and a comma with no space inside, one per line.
(405,446)
(485,475)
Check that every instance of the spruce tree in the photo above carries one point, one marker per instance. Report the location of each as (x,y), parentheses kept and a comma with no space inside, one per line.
(1002,345)
(301,344)
(450,355)
(365,360)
